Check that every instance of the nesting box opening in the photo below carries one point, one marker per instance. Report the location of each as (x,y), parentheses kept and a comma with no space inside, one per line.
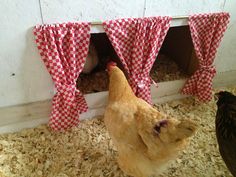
(176,59)
(97,80)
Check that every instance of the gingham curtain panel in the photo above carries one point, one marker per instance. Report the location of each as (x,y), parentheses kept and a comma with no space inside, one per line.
(137,42)
(63,49)
(207,31)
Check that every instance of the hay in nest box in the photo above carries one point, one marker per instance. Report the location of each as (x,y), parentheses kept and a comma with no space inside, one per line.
(164,69)
(87,150)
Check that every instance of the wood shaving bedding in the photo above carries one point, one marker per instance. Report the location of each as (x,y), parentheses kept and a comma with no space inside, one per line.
(87,150)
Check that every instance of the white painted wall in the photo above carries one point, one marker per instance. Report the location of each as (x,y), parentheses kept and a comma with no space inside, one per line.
(226,56)
(18,53)
(182,7)
(91,10)
(19,56)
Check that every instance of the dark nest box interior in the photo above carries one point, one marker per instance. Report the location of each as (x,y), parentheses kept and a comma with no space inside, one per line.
(176,60)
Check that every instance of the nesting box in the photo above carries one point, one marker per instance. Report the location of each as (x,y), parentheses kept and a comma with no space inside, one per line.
(175,63)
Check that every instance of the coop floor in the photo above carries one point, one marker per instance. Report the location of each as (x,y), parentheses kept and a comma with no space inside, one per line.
(88,151)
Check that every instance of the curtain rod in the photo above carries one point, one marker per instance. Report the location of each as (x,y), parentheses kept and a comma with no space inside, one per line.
(174,17)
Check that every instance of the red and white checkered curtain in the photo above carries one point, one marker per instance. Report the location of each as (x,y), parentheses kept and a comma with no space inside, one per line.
(207,31)
(63,49)
(137,42)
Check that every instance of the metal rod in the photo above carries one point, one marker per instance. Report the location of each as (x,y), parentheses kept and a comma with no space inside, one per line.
(96,23)
(174,17)
(180,17)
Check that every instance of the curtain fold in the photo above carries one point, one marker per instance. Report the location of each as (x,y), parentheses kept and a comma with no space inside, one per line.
(63,49)
(137,42)
(207,31)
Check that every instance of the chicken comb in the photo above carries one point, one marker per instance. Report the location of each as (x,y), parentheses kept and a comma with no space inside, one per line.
(110,64)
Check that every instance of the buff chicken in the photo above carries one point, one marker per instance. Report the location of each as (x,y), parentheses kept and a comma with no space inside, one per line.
(146,139)
(226,129)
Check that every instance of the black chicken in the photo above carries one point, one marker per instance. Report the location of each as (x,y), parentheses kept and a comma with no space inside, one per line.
(226,128)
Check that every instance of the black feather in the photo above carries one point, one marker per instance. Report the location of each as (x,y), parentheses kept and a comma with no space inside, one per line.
(226,129)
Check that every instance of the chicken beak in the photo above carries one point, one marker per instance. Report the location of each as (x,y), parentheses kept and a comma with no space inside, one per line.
(216,96)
